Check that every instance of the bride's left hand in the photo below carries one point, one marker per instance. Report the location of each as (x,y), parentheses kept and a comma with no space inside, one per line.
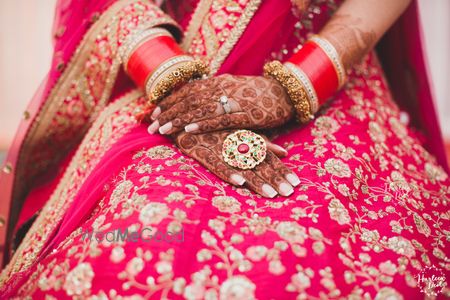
(253,102)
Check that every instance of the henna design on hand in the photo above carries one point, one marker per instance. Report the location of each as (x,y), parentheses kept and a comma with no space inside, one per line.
(257,102)
(206,148)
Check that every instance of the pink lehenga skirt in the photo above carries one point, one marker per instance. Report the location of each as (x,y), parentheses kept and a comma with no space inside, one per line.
(133,218)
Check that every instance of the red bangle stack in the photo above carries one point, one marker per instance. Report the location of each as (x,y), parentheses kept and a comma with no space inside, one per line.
(319,69)
(151,54)
(155,62)
(310,76)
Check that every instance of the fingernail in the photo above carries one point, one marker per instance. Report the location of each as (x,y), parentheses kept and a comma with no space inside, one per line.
(156,112)
(286,189)
(165,128)
(281,149)
(153,127)
(237,179)
(293,179)
(269,191)
(191,127)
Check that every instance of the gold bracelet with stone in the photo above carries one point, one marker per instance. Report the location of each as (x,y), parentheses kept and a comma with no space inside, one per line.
(294,87)
(185,72)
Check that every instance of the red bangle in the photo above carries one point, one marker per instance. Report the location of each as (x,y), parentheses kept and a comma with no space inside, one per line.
(317,66)
(152,53)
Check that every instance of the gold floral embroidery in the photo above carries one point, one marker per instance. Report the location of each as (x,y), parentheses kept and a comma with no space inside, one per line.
(216,38)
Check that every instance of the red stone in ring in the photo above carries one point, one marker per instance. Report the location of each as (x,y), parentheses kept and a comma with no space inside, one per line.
(243,148)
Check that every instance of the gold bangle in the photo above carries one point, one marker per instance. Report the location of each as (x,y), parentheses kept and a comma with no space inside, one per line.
(163,68)
(294,88)
(307,84)
(134,41)
(332,54)
(189,70)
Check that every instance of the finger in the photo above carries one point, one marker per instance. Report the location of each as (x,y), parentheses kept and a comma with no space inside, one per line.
(199,111)
(258,185)
(182,107)
(193,147)
(282,169)
(276,149)
(203,112)
(227,121)
(274,177)
(216,165)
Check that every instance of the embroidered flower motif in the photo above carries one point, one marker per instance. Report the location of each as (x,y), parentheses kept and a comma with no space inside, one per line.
(160,152)
(135,266)
(338,212)
(337,167)
(117,254)
(153,213)
(291,232)
(121,192)
(79,280)
(175,197)
(300,281)
(256,253)
(343,152)
(401,246)
(397,182)
(276,267)
(237,288)
(421,225)
(226,204)
(388,268)
(370,236)
(326,125)
(388,293)
(376,133)
(435,173)
(179,285)
(194,291)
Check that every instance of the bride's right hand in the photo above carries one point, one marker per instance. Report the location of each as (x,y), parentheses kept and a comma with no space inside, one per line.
(269,178)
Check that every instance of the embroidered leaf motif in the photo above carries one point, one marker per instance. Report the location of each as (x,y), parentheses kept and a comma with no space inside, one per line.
(421,225)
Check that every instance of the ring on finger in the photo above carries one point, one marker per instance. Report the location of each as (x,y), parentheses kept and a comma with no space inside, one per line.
(225,104)
(244,149)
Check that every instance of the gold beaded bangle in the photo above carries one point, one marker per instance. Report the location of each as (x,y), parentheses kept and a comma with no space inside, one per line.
(184,73)
(162,70)
(307,85)
(294,88)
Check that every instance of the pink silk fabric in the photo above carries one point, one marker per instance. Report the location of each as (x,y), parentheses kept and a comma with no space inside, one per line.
(369,214)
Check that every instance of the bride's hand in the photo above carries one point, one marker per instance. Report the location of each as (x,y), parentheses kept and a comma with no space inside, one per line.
(253,102)
(269,178)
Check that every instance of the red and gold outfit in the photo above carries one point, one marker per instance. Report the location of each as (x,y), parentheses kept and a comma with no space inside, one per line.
(370,213)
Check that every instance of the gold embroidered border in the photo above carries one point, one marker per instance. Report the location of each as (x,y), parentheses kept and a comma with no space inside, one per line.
(43,121)
(73,82)
(195,25)
(235,34)
(59,201)
(200,12)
